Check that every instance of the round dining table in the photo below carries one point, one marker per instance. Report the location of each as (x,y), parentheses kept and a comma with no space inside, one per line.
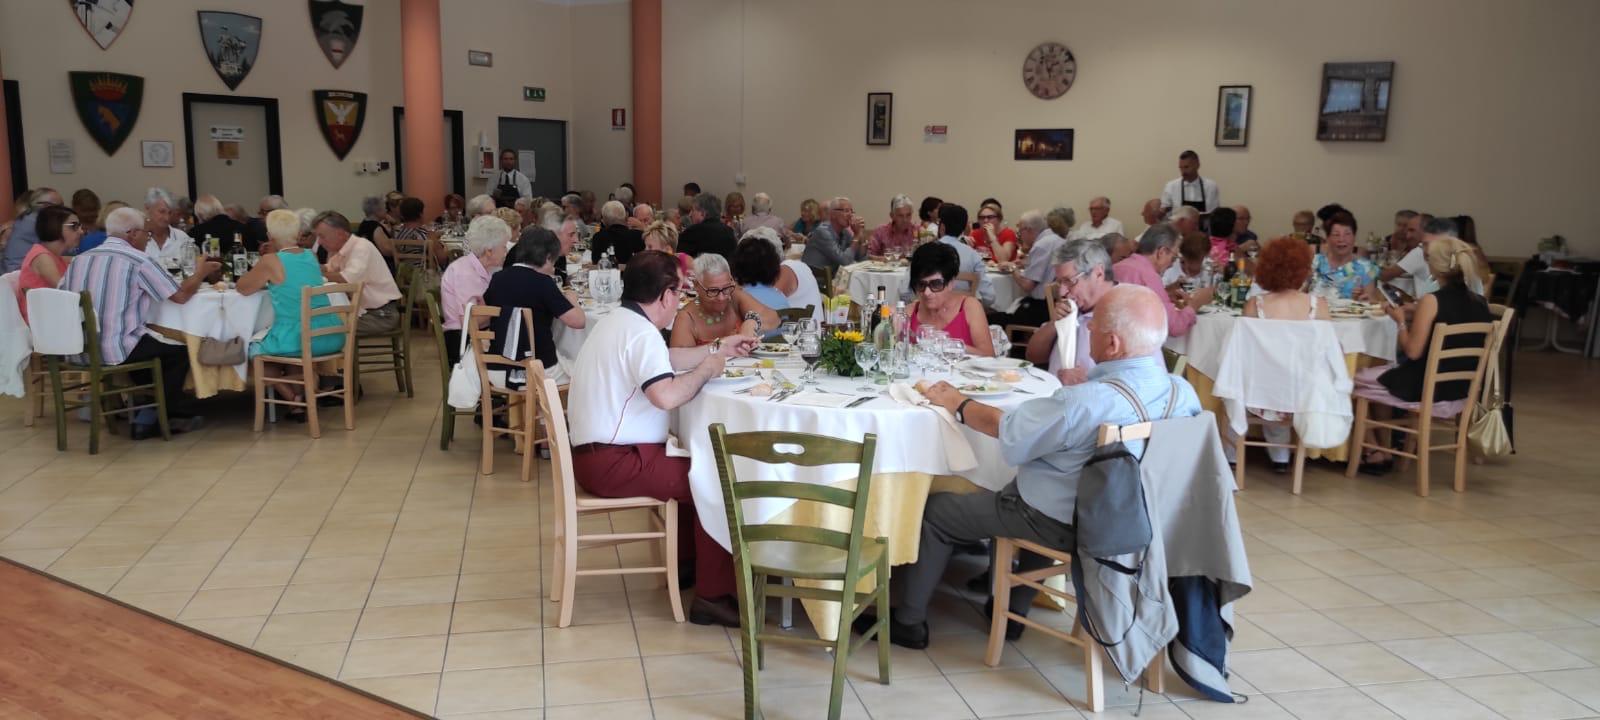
(223,314)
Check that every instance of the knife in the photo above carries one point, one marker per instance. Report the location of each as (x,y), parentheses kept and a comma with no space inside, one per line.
(859,401)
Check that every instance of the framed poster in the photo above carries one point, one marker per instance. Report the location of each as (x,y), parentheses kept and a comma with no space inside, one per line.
(1233,116)
(1355,101)
(880,118)
(1052,144)
(156,153)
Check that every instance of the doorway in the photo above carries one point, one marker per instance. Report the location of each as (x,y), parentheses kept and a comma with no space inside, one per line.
(233,149)
(455,154)
(19,160)
(547,140)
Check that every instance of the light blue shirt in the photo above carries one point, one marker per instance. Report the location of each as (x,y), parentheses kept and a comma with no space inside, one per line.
(24,235)
(1050,439)
(972,262)
(1039,269)
(827,247)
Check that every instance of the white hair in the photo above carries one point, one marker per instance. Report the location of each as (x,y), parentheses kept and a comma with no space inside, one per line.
(480,205)
(613,213)
(551,217)
(1142,329)
(708,264)
(158,195)
(522,204)
(1183,212)
(275,202)
(485,233)
(648,213)
(283,228)
(836,202)
(900,201)
(308,219)
(760,204)
(207,207)
(624,195)
(122,221)
(1032,220)
(1061,219)
(767,234)
(372,205)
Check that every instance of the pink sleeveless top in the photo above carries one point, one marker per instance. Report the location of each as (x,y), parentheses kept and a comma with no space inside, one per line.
(957,328)
(27,279)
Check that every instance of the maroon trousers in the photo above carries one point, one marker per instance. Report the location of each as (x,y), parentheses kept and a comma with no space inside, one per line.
(645,471)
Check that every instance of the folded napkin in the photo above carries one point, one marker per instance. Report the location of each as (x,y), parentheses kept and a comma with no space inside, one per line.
(1067,337)
(675,448)
(957,451)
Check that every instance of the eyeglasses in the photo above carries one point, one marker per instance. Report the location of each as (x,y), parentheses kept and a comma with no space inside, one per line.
(711,292)
(988,217)
(934,285)
(72,225)
(1064,287)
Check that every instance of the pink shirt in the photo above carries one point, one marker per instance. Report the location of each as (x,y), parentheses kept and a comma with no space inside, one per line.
(1138,269)
(27,279)
(462,281)
(360,261)
(885,237)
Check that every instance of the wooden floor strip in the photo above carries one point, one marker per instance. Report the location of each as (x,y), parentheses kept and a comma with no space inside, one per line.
(68,653)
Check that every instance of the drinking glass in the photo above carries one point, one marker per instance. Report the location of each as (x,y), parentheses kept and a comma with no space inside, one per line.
(810,347)
(808,326)
(954,351)
(190,256)
(1002,341)
(789,330)
(867,360)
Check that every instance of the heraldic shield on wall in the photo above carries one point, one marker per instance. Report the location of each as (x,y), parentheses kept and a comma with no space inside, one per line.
(337,25)
(340,114)
(102,19)
(231,41)
(108,104)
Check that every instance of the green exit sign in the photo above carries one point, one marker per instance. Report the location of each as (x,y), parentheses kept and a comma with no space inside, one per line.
(533,94)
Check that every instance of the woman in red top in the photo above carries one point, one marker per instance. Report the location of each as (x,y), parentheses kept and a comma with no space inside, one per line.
(934,267)
(59,232)
(992,239)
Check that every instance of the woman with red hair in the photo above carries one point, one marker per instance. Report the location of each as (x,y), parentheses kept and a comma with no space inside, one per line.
(1281,272)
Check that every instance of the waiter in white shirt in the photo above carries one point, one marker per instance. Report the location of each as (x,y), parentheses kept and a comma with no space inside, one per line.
(1191,190)
(512,183)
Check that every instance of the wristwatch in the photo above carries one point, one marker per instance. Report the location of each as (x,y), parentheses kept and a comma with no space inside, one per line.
(961,411)
(753,315)
(715,346)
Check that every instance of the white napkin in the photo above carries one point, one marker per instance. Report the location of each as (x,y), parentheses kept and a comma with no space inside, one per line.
(1067,337)
(957,451)
(674,448)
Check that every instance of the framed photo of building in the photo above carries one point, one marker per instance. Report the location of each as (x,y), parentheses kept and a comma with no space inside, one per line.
(1355,101)
(1233,116)
(1043,144)
(880,118)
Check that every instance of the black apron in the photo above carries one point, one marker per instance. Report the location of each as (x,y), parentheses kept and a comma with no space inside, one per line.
(1198,205)
(506,193)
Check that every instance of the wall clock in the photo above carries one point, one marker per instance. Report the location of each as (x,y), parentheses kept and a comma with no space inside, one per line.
(1049,70)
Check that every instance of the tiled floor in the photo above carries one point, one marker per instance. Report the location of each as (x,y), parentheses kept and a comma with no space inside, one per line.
(373,557)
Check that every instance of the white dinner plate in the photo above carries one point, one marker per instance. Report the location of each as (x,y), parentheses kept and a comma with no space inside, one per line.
(994,365)
(724,379)
(769,350)
(996,390)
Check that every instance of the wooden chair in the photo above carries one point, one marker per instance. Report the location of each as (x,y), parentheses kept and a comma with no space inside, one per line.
(795,314)
(99,381)
(1177,362)
(413,252)
(1429,417)
(392,350)
(824,278)
(573,502)
(447,422)
(800,552)
(1505,267)
(1243,441)
(1005,578)
(307,361)
(521,407)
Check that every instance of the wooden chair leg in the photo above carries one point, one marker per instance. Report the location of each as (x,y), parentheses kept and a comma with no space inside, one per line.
(669,515)
(257,368)
(96,412)
(758,608)
(1093,672)
(399,368)
(161,405)
(1358,435)
(558,564)
(1238,458)
(1299,463)
(841,650)
(308,380)
(447,425)
(1004,552)
(348,394)
(1462,451)
(1422,443)
(569,577)
(528,453)
(60,398)
(1155,674)
(486,456)
(882,602)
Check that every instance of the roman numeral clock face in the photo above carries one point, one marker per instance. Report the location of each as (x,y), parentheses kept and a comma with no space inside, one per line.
(1049,71)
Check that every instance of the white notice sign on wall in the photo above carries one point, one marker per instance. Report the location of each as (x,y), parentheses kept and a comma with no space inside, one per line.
(526,165)
(227,132)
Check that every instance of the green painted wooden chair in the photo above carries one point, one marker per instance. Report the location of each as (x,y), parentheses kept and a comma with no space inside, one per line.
(392,350)
(1177,362)
(447,424)
(801,552)
(795,314)
(101,384)
(824,277)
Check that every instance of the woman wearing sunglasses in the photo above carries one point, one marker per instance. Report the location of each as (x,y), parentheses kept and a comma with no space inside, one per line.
(721,307)
(933,273)
(59,231)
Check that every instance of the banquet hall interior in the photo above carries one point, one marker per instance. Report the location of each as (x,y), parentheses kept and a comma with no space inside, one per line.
(569,359)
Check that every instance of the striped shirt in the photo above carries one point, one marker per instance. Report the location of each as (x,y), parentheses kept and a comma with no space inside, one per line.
(122,283)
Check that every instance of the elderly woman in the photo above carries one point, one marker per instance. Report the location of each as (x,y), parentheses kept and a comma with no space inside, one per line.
(59,231)
(899,234)
(455,208)
(1337,264)
(934,267)
(93,238)
(662,236)
(375,222)
(721,307)
(285,270)
(479,206)
(757,266)
(810,217)
(733,209)
(465,279)
(1281,272)
(529,282)
(992,239)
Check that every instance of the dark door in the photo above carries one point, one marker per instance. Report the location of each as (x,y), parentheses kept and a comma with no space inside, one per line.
(547,140)
(19,159)
(454,151)
(236,171)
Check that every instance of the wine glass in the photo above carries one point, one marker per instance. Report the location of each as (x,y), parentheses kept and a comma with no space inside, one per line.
(954,350)
(1002,341)
(808,326)
(190,257)
(810,347)
(789,331)
(867,360)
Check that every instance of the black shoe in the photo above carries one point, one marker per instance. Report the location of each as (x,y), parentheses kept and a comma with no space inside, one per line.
(722,611)
(1013,628)
(1376,469)
(685,578)
(906,635)
(146,431)
(1281,468)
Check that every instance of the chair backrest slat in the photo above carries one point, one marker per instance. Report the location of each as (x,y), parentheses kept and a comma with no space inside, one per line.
(797,491)
(555,428)
(773,532)
(765,446)
(1434,377)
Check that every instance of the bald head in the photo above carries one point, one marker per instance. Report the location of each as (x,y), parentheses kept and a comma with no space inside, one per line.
(1152,211)
(1129,321)
(1241,221)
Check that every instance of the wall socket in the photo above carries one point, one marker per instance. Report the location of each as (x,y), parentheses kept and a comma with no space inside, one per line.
(739,179)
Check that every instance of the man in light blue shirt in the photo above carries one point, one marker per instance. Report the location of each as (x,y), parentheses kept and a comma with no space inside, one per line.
(1049,439)
(952,221)
(839,240)
(25,233)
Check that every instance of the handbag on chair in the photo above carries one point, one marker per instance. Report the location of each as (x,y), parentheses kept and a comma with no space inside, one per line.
(221,353)
(465,386)
(1487,432)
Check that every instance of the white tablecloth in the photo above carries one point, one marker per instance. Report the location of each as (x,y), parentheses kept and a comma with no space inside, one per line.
(223,315)
(864,279)
(1204,343)
(569,341)
(907,439)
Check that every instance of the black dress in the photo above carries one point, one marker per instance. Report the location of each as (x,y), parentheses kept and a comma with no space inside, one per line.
(520,286)
(1457,305)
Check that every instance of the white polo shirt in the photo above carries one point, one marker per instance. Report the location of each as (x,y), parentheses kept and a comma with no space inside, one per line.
(1087,231)
(1418,279)
(606,403)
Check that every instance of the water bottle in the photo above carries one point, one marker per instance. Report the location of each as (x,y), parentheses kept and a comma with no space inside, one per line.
(882,338)
(605,260)
(901,326)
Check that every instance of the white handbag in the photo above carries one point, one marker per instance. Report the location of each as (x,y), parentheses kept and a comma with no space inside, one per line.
(466,388)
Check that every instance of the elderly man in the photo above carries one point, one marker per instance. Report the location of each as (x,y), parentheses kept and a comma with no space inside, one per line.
(166,240)
(625,384)
(215,222)
(899,234)
(354,259)
(1411,274)
(624,194)
(1050,440)
(1039,241)
(24,232)
(1158,249)
(641,217)
(1119,245)
(1400,237)
(952,221)
(125,284)
(839,240)
(1184,219)
(1189,189)
(1082,273)
(1241,226)
(760,216)
(1099,223)
(616,236)
(706,233)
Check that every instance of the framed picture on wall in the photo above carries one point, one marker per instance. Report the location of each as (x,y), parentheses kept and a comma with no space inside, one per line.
(1355,101)
(156,153)
(880,118)
(1048,144)
(1233,116)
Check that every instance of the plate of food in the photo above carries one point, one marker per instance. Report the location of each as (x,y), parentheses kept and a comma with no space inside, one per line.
(735,376)
(772,350)
(990,389)
(994,365)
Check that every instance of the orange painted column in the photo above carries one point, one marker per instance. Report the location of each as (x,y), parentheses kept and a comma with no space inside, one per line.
(6,191)
(424,98)
(646,22)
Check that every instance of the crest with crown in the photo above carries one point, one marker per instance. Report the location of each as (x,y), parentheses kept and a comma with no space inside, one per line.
(108,88)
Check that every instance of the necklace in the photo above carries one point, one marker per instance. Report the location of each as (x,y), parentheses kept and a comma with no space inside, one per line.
(710,320)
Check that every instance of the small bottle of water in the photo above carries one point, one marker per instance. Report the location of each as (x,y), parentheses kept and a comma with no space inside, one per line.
(606,262)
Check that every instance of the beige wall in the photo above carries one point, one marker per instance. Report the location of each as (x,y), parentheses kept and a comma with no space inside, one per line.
(602,80)
(1490,114)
